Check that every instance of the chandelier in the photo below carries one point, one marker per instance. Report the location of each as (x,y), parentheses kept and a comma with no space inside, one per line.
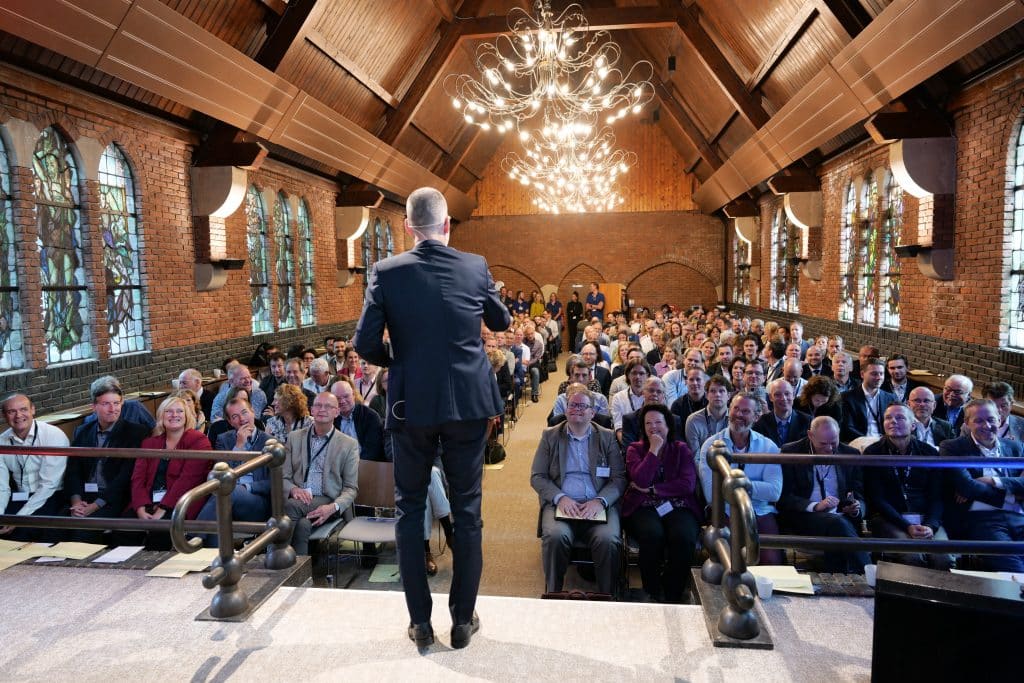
(553,66)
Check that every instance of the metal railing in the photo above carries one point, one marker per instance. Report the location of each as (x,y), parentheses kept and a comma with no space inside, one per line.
(735,547)
(227,569)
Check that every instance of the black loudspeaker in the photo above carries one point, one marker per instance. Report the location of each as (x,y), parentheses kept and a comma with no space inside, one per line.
(938,626)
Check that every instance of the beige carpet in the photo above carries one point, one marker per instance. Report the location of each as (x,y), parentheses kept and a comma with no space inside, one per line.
(110,625)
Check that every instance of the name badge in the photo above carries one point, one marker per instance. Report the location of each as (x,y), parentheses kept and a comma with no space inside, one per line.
(604,472)
(92,487)
(19,496)
(912,517)
(664,509)
(158,496)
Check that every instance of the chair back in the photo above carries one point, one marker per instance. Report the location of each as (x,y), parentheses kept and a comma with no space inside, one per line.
(376,484)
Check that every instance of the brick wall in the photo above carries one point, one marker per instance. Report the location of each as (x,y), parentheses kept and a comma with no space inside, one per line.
(673,256)
(186,328)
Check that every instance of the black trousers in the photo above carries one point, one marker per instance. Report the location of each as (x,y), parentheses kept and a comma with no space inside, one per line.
(462,459)
(828,524)
(674,537)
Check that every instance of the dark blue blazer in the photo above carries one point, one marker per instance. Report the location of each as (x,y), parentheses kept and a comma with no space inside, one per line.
(798,484)
(856,414)
(261,475)
(117,472)
(885,493)
(432,299)
(799,423)
(961,481)
(369,432)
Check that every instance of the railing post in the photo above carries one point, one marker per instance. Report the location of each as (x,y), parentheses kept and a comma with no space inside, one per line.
(280,553)
(711,571)
(737,619)
(229,600)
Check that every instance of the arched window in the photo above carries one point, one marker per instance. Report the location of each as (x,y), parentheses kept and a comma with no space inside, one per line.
(126,312)
(867,261)
(784,275)
(259,276)
(284,263)
(307,295)
(846,271)
(892,228)
(741,270)
(65,297)
(390,239)
(378,238)
(12,353)
(1015,314)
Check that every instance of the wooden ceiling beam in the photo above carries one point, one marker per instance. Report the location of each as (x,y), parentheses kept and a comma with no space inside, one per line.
(797,181)
(797,27)
(450,161)
(336,55)
(444,9)
(598,19)
(886,127)
(299,18)
(849,17)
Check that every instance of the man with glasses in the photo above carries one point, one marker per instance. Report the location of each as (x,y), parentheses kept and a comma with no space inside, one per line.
(927,428)
(590,352)
(956,391)
(321,472)
(714,417)
(239,377)
(587,490)
(654,392)
(632,397)
(441,392)
(579,373)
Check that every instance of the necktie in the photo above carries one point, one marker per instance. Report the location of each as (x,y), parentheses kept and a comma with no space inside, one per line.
(783,431)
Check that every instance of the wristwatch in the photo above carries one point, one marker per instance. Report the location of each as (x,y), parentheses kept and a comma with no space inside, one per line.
(337,507)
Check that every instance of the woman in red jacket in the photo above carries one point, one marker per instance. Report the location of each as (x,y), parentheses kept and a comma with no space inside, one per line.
(660,508)
(158,484)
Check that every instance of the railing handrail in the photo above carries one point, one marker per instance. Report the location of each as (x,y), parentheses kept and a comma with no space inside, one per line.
(131,453)
(874,460)
(121,524)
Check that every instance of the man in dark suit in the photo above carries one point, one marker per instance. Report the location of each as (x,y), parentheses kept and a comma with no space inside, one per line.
(192,379)
(824,500)
(866,353)
(865,404)
(985,503)
(101,487)
(816,363)
(782,424)
(775,354)
(897,380)
(440,391)
(928,429)
(956,392)
(359,422)
(591,353)
(654,392)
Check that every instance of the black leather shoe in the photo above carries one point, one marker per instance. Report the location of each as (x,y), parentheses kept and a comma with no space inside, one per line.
(461,633)
(422,634)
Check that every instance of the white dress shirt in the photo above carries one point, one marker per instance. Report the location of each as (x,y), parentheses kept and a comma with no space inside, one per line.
(38,475)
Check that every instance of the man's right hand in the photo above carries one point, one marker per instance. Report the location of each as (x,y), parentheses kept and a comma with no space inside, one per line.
(301,495)
(829,503)
(919,531)
(568,507)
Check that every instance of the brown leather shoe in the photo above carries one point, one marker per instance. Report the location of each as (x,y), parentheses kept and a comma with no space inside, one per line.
(431,565)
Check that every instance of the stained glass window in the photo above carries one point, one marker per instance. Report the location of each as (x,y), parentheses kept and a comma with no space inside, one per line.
(259,276)
(390,239)
(867,261)
(892,227)
(741,270)
(307,294)
(785,277)
(12,353)
(1015,314)
(846,271)
(284,263)
(65,298)
(126,322)
(378,238)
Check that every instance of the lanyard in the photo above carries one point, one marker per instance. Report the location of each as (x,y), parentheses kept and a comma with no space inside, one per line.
(35,435)
(821,479)
(309,445)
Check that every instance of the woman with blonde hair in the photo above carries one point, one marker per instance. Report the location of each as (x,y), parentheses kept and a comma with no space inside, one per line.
(291,412)
(201,424)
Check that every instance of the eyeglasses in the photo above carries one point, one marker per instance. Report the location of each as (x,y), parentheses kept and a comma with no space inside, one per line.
(579,406)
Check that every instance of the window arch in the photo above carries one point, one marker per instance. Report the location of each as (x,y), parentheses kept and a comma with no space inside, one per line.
(284,262)
(867,261)
(892,230)
(784,275)
(846,272)
(126,313)
(65,297)
(12,352)
(378,238)
(1015,314)
(259,277)
(307,295)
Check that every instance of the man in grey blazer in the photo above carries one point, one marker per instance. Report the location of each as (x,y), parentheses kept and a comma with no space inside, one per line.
(321,472)
(579,473)
(441,393)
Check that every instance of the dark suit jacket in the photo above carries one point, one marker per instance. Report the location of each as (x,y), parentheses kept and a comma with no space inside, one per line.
(117,472)
(260,476)
(369,433)
(684,406)
(799,423)
(633,431)
(941,430)
(855,412)
(940,411)
(961,481)
(432,299)
(799,489)
(885,493)
(604,378)
(826,369)
(911,385)
(206,402)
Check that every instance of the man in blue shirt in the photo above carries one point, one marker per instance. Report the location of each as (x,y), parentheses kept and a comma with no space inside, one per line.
(595,302)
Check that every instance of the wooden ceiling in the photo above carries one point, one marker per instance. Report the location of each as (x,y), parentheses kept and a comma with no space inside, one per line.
(378,68)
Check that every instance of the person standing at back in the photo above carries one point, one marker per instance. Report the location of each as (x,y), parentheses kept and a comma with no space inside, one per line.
(441,391)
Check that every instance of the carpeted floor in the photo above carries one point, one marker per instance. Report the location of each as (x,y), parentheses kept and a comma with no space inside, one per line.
(102,625)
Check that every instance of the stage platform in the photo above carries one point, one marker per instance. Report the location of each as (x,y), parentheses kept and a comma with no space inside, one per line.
(116,625)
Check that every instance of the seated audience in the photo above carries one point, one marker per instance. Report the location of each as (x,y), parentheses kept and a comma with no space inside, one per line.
(321,472)
(984,504)
(659,507)
(620,381)
(816,363)
(270,383)
(295,374)
(865,404)
(693,400)
(766,479)
(192,379)
(632,428)
(1011,427)
(335,357)
(782,424)
(29,484)
(866,353)
(841,372)
(928,429)
(897,380)
(824,500)
(713,417)
(290,413)
(579,374)
(586,489)
(631,398)
(320,378)
(356,420)
(667,362)
(366,384)
(101,487)
(590,352)
(821,397)
(238,377)
(905,502)
(736,370)
(201,424)
(379,402)
(792,372)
